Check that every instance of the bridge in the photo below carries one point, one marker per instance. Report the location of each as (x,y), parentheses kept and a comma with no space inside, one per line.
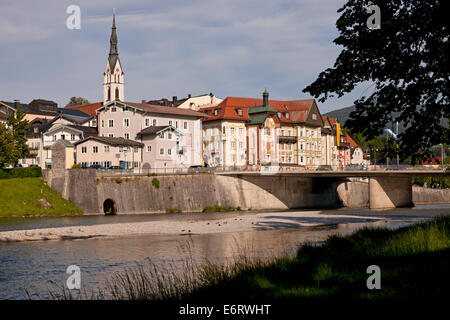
(387,188)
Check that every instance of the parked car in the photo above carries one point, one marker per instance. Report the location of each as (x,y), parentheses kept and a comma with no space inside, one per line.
(114,168)
(324,168)
(96,166)
(17,165)
(33,165)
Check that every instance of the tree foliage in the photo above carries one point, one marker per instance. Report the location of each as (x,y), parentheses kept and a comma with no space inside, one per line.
(77,101)
(13,139)
(407,60)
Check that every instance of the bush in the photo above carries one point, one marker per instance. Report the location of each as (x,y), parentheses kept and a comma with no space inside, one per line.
(76,166)
(28,172)
(173,210)
(155,183)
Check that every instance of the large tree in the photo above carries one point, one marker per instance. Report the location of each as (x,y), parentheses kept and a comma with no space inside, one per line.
(407,62)
(77,101)
(13,141)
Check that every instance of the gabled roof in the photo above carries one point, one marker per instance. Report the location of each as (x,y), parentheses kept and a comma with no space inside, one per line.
(89,108)
(112,141)
(225,113)
(350,141)
(157,109)
(87,131)
(155,130)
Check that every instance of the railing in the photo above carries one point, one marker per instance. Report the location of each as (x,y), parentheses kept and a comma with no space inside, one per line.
(253,168)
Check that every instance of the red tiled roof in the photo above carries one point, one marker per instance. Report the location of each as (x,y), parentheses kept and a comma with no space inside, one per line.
(332,121)
(166,110)
(350,141)
(297,109)
(89,108)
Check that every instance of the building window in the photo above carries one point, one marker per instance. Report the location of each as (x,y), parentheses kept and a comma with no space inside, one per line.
(135,150)
(233,144)
(267,130)
(154,122)
(103,123)
(185,125)
(126,122)
(63,137)
(161,151)
(113,109)
(95,149)
(223,130)
(54,137)
(147,122)
(72,137)
(301,159)
(111,135)
(176,124)
(127,136)
(282,159)
(149,148)
(169,135)
(117,93)
(239,111)
(314,116)
(282,132)
(106,148)
(232,130)
(241,145)
(216,112)
(289,159)
(289,133)
(111,123)
(169,151)
(241,131)
(83,150)
(170,122)
(161,135)
(282,146)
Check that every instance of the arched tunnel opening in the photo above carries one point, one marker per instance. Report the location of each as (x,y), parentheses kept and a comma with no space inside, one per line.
(109,207)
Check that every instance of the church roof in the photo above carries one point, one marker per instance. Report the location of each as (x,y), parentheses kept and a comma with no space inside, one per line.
(113,50)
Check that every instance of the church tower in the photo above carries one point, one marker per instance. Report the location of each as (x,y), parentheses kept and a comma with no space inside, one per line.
(113,80)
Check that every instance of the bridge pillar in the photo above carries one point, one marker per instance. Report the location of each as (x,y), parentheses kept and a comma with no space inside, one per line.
(390,192)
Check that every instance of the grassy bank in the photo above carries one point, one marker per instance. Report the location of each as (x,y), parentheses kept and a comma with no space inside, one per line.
(27,197)
(414,263)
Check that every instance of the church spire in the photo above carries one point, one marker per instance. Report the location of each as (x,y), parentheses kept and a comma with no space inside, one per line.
(113,51)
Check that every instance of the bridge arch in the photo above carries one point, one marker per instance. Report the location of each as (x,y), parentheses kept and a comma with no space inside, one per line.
(109,207)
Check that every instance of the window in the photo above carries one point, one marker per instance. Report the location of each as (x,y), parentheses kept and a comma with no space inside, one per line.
(185,125)
(241,131)
(111,135)
(282,159)
(301,159)
(223,130)
(117,93)
(103,123)
(286,115)
(135,150)
(282,146)
(106,148)
(63,137)
(169,135)
(111,123)
(289,159)
(127,136)
(161,135)
(126,122)
(147,122)
(169,151)
(83,150)
(241,145)
(113,109)
(155,122)
(216,112)
(233,144)
(149,148)
(54,137)
(267,131)
(289,133)
(170,122)
(109,94)
(300,133)
(239,111)
(301,146)
(176,124)
(289,146)
(314,116)
(72,137)
(95,149)
(120,149)
(161,151)
(282,132)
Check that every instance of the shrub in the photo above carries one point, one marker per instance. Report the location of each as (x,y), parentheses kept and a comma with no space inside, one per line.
(118,180)
(76,166)
(28,172)
(155,183)
(173,210)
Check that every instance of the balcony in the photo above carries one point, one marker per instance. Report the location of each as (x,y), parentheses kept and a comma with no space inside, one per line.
(287,139)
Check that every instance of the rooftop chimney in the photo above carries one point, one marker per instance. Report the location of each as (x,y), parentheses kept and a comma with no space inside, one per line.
(189,95)
(16,103)
(266,98)
(174,100)
(143,101)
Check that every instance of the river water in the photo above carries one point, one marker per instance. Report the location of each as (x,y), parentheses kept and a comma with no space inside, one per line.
(39,266)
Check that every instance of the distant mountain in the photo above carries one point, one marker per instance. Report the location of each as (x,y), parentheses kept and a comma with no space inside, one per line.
(343,114)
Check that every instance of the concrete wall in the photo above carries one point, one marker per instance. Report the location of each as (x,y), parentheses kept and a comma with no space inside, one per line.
(354,194)
(423,195)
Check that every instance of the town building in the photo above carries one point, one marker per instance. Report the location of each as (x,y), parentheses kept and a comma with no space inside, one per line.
(191,102)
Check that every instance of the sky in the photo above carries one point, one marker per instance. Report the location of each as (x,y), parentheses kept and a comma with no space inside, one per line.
(169,48)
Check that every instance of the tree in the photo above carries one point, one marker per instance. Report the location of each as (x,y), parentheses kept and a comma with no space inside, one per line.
(13,141)
(77,101)
(407,59)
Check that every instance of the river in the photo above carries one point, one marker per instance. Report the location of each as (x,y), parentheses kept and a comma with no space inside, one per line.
(40,265)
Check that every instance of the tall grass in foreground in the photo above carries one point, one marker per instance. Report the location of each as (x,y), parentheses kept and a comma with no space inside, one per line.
(414,263)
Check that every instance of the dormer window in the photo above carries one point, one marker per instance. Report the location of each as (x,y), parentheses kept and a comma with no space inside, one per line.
(314,116)
(286,115)
(239,111)
(279,115)
(216,112)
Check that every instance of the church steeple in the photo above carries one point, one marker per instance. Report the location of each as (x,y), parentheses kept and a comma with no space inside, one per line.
(113,79)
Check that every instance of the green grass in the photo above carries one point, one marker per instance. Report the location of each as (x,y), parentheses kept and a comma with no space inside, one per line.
(26,197)
(414,263)
(219,209)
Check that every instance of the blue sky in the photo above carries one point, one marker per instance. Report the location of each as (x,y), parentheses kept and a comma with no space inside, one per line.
(167,48)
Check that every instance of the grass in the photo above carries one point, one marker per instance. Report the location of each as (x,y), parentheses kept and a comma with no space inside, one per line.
(217,208)
(414,263)
(27,197)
